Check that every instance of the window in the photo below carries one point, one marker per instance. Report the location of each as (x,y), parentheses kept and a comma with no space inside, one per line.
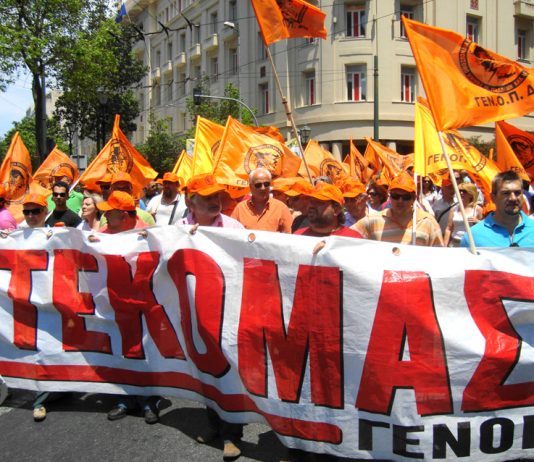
(157,59)
(264,95)
(157,95)
(233,61)
(522,44)
(213,23)
(407,12)
(214,69)
(472,29)
(169,50)
(356,83)
(180,85)
(355,21)
(309,86)
(407,84)
(168,89)
(196,74)
(232,10)
(182,42)
(196,34)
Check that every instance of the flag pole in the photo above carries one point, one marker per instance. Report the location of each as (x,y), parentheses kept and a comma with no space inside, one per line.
(289,114)
(472,247)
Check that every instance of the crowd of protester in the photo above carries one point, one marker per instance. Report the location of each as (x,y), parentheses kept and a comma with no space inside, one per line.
(401,212)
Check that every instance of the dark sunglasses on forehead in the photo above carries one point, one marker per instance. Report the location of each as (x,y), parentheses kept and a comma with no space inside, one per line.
(265,184)
(56,194)
(404,197)
(27,212)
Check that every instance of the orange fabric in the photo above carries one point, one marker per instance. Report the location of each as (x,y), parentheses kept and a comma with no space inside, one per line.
(119,155)
(38,199)
(182,168)
(403,181)
(56,164)
(351,188)
(204,184)
(16,176)
(281,19)
(466,84)
(208,136)
(515,150)
(322,163)
(117,200)
(170,177)
(243,150)
(275,217)
(358,165)
(327,192)
(391,162)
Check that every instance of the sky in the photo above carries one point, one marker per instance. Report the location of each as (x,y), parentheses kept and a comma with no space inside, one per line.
(14,103)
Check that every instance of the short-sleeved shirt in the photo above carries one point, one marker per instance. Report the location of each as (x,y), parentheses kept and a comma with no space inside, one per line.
(341,231)
(74,202)
(274,217)
(163,212)
(383,227)
(67,216)
(489,233)
(222,221)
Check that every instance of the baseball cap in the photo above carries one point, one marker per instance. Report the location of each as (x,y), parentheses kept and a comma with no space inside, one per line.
(403,181)
(38,199)
(327,192)
(300,187)
(352,188)
(171,177)
(121,176)
(204,184)
(105,179)
(63,171)
(117,200)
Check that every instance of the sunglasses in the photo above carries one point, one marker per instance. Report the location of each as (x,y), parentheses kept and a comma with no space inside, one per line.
(59,194)
(105,187)
(404,197)
(372,193)
(265,184)
(27,212)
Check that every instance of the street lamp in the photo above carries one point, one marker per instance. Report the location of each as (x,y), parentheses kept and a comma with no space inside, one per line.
(197,100)
(305,133)
(103,100)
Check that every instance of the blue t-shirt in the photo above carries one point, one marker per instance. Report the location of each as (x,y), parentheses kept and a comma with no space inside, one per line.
(489,233)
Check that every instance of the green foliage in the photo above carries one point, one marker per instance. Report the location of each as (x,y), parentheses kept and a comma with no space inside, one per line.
(97,80)
(483,146)
(26,128)
(162,147)
(218,110)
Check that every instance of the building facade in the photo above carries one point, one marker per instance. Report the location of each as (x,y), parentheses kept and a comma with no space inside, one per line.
(331,84)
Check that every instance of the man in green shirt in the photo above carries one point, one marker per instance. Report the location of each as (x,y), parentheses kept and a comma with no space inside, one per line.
(75,199)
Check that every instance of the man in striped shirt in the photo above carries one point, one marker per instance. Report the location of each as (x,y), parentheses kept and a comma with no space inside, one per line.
(395,224)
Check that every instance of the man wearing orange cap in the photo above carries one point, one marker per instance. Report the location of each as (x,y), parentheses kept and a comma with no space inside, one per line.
(120,212)
(105,185)
(325,213)
(355,201)
(204,202)
(74,199)
(169,206)
(7,222)
(34,209)
(395,224)
(261,211)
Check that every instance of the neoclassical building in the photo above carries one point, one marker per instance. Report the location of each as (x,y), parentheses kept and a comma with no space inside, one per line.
(361,81)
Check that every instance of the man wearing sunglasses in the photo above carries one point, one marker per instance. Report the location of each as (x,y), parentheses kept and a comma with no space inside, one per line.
(74,198)
(261,211)
(61,213)
(34,209)
(395,224)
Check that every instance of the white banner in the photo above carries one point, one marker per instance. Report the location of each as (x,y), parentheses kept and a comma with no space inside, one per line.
(366,350)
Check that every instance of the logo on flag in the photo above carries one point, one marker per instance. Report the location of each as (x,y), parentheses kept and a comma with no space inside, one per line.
(121,160)
(18,183)
(482,67)
(264,155)
(331,169)
(523,148)
(53,173)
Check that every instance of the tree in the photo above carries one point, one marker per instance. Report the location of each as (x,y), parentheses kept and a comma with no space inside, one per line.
(26,128)
(161,147)
(97,81)
(36,35)
(483,146)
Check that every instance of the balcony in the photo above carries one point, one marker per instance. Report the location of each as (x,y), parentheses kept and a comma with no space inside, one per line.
(228,34)
(167,67)
(211,43)
(156,74)
(180,60)
(524,8)
(195,52)
(134,7)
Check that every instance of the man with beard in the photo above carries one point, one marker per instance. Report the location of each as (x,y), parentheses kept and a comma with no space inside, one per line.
(204,203)
(325,213)
(169,206)
(508,226)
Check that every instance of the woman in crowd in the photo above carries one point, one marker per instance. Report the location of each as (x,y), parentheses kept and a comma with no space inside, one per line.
(455,227)
(90,214)
(377,194)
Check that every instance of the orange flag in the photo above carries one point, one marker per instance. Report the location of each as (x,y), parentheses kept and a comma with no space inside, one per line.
(322,163)
(392,162)
(282,19)
(358,165)
(515,150)
(242,150)
(119,155)
(182,168)
(208,136)
(16,175)
(44,175)
(466,84)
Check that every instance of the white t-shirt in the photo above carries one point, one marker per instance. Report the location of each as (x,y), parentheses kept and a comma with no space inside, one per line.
(162,212)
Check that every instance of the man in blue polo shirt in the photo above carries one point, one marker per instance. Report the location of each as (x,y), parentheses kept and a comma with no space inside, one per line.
(508,226)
